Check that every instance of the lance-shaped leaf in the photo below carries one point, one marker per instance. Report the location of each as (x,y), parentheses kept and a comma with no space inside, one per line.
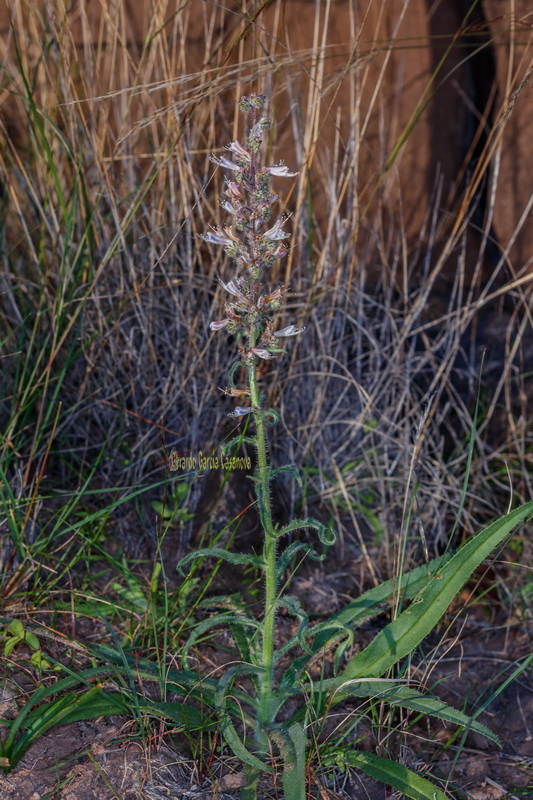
(373,602)
(228,730)
(338,630)
(286,556)
(236,442)
(292,745)
(389,772)
(326,535)
(403,634)
(404,697)
(294,607)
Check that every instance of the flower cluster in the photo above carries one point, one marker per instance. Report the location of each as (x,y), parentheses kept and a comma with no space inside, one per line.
(249,311)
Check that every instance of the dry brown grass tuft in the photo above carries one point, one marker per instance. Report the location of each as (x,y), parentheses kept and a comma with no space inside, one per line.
(109,114)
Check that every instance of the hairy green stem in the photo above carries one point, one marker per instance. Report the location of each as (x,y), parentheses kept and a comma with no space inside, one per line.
(269,557)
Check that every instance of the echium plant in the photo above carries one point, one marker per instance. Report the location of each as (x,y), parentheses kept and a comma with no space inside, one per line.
(273,720)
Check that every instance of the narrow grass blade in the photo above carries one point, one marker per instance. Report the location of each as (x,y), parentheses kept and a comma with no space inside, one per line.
(88,706)
(43,719)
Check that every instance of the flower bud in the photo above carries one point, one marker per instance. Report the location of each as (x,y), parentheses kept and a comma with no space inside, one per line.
(236,392)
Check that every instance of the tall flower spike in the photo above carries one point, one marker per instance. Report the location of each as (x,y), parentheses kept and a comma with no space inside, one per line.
(255,246)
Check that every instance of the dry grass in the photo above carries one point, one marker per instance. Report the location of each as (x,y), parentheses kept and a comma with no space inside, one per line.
(107,293)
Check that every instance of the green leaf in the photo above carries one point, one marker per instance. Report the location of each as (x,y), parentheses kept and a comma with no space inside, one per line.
(291,470)
(389,772)
(405,697)
(222,698)
(17,629)
(326,535)
(46,716)
(337,630)
(10,645)
(183,682)
(42,719)
(90,705)
(131,595)
(186,717)
(286,556)
(39,661)
(294,607)
(294,770)
(213,622)
(237,440)
(219,552)
(269,416)
(233,740)
(234,367)
(32,641)
(371,603)
(247,644)
(226,683)
(403,634)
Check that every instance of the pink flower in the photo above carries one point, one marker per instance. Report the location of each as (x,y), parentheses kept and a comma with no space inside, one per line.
(234,190)
(261,352)
(217,325)
(233,289)
(216,238)
(224,162)
(279,170)
(240,152)
(275,232)
(240,411)
(290,330)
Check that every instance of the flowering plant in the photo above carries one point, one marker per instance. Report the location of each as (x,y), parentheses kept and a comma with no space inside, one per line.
(265,724)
